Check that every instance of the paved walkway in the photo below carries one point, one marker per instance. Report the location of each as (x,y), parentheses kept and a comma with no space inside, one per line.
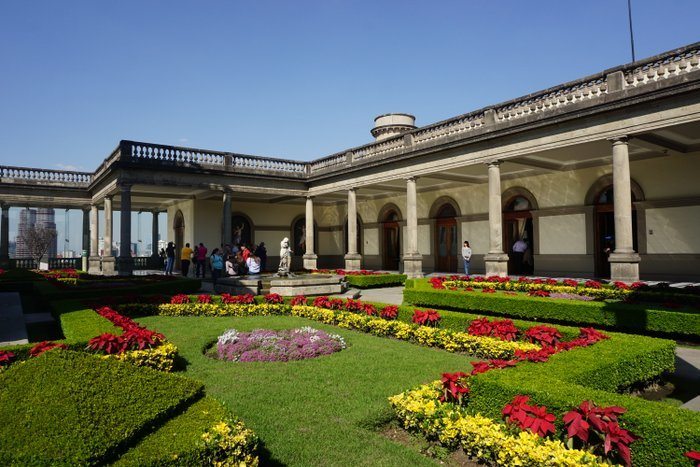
(12,328)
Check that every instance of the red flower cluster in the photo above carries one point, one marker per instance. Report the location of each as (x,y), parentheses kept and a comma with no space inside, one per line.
(246,299)
(426,318)
(501,329)
(454,387)
(180,299)
(543,335)
(437,282)
(6,356)
(621,285)
(273,298)
(390,312)
(134,337)
(529,417)
(298,300)
(493,364)
(588,418)
(488,290)
(694,456)
(45,346)
(353,306)
(570,282)
(204,298)
(329,304)
(343,272)
(592,284)
(538,293)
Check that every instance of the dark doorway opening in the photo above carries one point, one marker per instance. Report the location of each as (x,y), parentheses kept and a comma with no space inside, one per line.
(605,230)
(446,242)
(517,225)
(391,241)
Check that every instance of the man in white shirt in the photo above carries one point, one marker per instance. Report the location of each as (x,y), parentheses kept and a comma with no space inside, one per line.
(466,256)
(519,248)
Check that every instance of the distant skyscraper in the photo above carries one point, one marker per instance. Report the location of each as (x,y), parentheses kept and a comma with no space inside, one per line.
(29,218)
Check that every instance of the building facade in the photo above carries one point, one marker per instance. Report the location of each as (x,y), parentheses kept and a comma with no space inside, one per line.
(597,176)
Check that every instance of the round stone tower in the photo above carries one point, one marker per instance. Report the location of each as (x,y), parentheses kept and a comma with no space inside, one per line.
(388,125)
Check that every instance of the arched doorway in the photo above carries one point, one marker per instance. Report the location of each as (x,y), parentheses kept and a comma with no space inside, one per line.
(179,231)
(604,237)
(446,242)
(391,240)
(241,230)
(517,225)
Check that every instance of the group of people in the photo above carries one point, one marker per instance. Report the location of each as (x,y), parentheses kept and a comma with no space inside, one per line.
(522,257)
(228,260)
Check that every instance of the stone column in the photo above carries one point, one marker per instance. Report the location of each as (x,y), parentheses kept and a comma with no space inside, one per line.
(4,235)
(496,260)
(94,264)
(154,235)
(624,261)
(108,261)
(226,239)
(353,259)
(412,259)
(86,238)
(126,262)
(310,258)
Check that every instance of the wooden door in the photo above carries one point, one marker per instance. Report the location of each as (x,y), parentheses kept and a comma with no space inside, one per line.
(391,245)
(446,245)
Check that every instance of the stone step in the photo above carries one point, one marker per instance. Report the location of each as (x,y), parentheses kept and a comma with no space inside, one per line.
(12,328)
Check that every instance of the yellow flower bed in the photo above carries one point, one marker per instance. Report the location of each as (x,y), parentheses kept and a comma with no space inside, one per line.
(452,341)
(481,437)
(602,293)
(221,309)
(230,443)
(160,358)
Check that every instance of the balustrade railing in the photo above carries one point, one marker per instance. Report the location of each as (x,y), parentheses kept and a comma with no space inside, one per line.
(64,177)
(147,262)
(23,263)
(65,263)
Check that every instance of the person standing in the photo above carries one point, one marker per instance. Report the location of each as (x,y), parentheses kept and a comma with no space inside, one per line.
(169,258)
(261,252)
(519,248)
(217,265)
(466,256)
(201,260)
(185,256)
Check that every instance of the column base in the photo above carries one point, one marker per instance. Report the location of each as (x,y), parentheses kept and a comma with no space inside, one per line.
(624,267)
(413,265)
(109,266)
(353,262)
(126,266)
(310,262)
(496,264)
(94,265)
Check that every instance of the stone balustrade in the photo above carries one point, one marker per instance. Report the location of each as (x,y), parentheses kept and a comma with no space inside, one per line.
(10,174)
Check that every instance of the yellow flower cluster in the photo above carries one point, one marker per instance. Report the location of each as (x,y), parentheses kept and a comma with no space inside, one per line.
(230,443)
(481,437)
(452,341)
(602,293)
(160,358)
(221,309)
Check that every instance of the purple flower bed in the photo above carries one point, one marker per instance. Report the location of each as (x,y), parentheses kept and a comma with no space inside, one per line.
(264,345)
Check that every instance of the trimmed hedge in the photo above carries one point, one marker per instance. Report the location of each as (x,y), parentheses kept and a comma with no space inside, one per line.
(594,373)
(175,286)
(612,314)
(375,280)
(72,408)
(179,440)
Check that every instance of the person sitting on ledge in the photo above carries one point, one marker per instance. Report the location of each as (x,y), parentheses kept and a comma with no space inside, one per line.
(253,264)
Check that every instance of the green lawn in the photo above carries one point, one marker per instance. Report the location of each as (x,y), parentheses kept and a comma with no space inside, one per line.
(314,412)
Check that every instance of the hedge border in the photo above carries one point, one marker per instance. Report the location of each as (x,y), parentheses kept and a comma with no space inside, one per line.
(614,315)
(375,280)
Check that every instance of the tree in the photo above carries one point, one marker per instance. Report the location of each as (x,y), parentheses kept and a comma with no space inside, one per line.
(38,241)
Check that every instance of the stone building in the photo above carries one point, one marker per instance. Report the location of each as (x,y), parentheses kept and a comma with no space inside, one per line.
(598,176)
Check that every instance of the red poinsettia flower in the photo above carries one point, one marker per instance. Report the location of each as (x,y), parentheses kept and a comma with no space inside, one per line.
(454,387)
(180,299)
(369,309)
(543,335)
(694,456)
(107,343)
(620,439)
(480,367)
(6,357)
(45,346)
(299,300)
(593,284)
(529,417)
(570,283)
(390,312)
(480,327)
(273,298)
(204,298)
(353,305)
(436,282)
(321,302)
(140,338)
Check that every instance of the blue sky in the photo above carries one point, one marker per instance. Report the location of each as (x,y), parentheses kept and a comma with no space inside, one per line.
(300,79)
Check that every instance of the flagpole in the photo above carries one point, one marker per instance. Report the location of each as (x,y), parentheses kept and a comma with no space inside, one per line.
(629,13)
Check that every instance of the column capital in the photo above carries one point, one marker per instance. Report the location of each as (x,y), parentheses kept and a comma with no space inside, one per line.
(125,186)
(309,197)
(621,139)
(494,163)
(352,188)
(412,178)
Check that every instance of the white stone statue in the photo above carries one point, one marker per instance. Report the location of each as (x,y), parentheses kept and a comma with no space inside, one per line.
(285,258)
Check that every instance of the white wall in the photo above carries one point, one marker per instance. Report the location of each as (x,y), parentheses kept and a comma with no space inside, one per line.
(674,230)
(477,234)
(563,235)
